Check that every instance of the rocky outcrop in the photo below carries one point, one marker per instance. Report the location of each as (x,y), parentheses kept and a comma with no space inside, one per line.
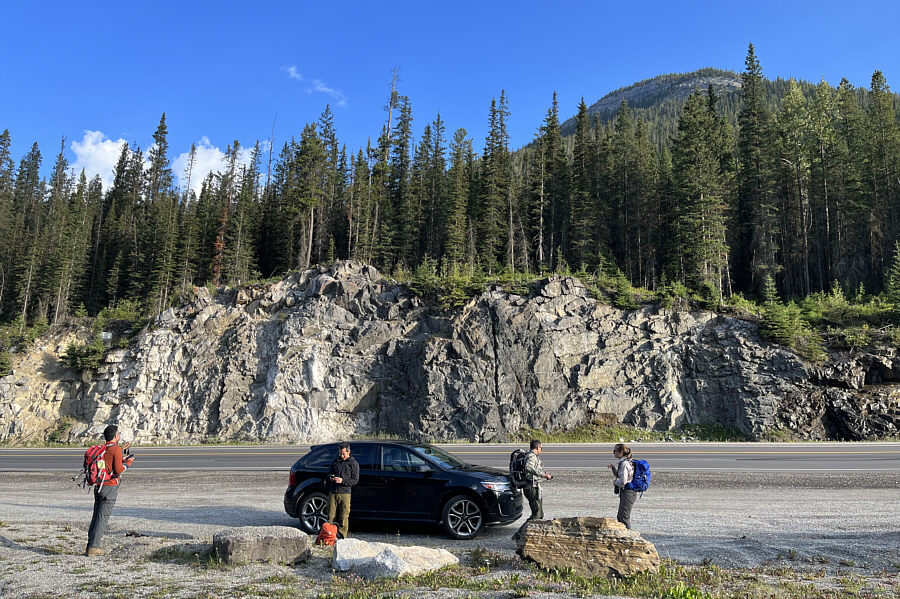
(383,560)
(275,544)
(333,352)
(589,546)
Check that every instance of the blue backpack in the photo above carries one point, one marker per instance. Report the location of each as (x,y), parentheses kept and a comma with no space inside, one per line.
(641,480)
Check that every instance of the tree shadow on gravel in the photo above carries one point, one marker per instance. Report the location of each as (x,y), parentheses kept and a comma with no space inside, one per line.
(212,514)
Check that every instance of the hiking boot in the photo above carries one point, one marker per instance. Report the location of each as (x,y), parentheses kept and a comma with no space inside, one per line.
(94,552)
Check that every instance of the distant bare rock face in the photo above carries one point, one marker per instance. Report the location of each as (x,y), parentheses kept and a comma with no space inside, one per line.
(589,546)
(276,544)
(333,352)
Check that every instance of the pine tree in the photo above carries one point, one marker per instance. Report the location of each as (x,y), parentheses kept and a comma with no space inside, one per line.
(883,177)
(893,278)
(583,213)
(7,219)
(456,222)
(700,185)
(495,185)
(822,140)
(792,131)
(756,227)
(28,242)
(159,173)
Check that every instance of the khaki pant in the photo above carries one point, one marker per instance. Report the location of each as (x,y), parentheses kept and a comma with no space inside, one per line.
(339,506)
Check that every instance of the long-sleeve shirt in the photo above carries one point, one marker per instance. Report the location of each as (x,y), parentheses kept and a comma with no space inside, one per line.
(534,468)
(348,471)
(115,463)
(625,472)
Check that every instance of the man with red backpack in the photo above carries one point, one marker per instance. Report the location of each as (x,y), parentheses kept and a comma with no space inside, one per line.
(105,493)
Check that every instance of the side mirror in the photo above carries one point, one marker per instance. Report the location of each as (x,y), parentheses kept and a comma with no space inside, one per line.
(425,469)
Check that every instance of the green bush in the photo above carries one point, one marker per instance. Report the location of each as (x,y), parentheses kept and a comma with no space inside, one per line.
(5,362)
(674,295)
(87,356)
(62,427)
(743,305)
(784,324)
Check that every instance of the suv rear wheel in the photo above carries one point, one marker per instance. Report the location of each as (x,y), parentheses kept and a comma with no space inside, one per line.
(313,512)
(463,518)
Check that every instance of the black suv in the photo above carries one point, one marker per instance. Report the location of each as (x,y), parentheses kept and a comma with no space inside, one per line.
(405,481)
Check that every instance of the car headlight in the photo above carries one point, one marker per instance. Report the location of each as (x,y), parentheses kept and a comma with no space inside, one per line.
(497,486)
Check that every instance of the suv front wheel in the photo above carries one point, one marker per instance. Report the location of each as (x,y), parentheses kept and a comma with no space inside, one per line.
(463,518)
(313,512)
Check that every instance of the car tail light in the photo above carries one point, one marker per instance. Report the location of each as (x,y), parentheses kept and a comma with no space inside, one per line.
(292,481)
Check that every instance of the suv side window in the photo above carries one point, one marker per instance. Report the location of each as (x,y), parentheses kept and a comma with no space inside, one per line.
(365,455)
(320,458)
(397,459)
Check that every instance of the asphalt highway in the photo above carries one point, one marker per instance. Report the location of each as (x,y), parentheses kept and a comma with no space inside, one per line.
(721,457)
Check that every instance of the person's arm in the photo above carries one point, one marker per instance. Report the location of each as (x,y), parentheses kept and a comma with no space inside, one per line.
(334,473)
(620,473)
(354,474)
(117,465)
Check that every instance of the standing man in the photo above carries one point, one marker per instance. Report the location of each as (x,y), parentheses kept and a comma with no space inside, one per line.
(344,473)
(534,470)
(105,494)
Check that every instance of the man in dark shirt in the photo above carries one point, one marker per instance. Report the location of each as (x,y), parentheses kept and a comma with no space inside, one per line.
(105,494)
(344,473)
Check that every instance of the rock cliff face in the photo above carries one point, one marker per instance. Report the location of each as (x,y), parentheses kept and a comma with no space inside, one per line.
(333,352)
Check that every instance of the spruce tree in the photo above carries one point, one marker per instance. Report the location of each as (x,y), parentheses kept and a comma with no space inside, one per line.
(756,225)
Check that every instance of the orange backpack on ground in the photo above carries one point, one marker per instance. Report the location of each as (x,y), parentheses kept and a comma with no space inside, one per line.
(328,535)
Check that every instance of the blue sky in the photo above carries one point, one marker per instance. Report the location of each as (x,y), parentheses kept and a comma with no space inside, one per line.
(100,73)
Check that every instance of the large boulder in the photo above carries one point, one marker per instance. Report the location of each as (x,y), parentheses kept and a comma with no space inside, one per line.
(383,560)
(590,546)
(276,544)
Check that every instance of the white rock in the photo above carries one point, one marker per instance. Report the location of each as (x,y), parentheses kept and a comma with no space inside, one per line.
(383,560)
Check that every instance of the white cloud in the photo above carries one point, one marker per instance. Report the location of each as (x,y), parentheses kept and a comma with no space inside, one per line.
(320,86)
(317,86)
(97,155)
(293,74)
(209,159)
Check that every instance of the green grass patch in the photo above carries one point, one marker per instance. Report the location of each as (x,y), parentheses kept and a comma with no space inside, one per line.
(623,433)
(673,581)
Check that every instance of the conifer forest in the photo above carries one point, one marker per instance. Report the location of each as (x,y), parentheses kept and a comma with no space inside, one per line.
(800,189)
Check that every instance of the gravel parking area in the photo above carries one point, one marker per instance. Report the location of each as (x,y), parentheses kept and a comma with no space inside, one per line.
(840,523)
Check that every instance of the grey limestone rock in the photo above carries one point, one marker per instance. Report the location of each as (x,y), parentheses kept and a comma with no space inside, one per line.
(276,544)
(355,353)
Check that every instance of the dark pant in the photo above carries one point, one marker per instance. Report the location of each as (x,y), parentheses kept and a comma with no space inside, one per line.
(339,506)
(533,495)
(626,501)
(104,500)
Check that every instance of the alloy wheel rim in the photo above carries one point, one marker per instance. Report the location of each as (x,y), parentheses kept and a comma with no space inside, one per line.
(314,513)
(464,517)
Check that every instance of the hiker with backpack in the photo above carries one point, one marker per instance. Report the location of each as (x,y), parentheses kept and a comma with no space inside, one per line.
(534,472)
(623,471)
(111,463)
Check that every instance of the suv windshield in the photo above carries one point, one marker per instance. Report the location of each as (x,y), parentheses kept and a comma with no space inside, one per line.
(439,455)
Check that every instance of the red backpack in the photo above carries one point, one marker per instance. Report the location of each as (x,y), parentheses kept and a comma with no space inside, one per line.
(328,534)
(94,470)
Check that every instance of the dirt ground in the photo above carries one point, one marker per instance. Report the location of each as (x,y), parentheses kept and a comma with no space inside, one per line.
(840,524)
